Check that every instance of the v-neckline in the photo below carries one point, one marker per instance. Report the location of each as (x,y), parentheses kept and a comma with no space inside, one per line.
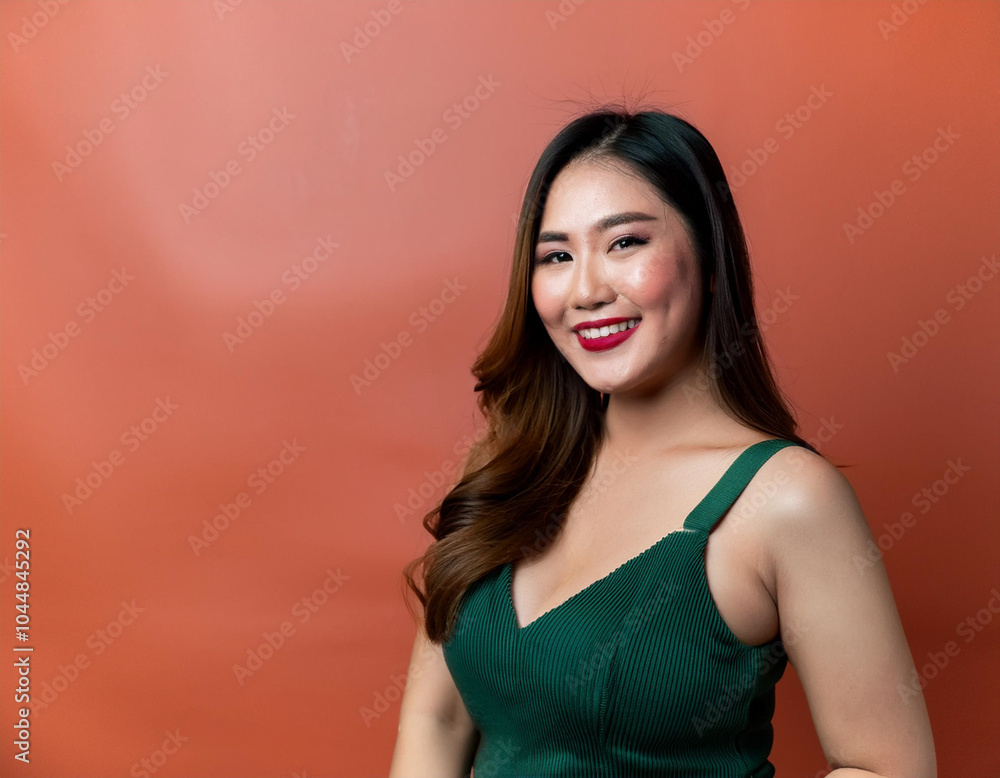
(508,568)
(509,581)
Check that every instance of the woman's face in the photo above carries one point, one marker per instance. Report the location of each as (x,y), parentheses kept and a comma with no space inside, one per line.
(638,265)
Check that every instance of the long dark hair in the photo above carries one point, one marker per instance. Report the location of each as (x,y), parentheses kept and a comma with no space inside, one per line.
(544,423)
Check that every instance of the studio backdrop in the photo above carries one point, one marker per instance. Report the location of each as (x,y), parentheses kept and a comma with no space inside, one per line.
(250,250)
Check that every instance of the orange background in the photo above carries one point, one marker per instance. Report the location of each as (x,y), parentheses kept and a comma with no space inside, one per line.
(360,452)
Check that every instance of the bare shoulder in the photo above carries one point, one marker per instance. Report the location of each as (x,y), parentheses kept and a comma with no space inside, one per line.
(805,493)
(838,619)
(802,505)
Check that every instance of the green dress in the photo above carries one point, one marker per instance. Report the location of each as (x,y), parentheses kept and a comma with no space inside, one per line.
(636,675)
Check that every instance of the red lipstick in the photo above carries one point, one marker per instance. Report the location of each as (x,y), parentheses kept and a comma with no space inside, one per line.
(608,341)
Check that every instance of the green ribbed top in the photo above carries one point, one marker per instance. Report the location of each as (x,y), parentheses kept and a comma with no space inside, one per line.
(635,675)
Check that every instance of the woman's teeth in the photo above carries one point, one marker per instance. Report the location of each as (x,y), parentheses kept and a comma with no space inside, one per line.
(603,332)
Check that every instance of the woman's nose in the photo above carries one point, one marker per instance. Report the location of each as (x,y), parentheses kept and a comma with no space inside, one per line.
(590,284)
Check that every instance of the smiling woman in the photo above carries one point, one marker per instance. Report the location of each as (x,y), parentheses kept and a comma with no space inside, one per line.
(640,264)
(646,636)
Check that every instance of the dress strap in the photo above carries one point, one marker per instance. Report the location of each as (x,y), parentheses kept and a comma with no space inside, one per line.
(715,504)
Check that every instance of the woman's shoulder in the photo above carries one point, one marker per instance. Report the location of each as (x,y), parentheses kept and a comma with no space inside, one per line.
(799,470)
(807,481)
(808,501)
(805,516)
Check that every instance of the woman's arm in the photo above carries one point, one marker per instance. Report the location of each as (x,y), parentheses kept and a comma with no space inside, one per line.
(436,737)
(841,629)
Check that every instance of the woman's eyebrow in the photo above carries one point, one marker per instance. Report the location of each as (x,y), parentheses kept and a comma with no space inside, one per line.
(614,220)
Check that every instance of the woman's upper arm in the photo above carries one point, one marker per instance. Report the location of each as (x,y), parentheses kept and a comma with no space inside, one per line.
(430,689)
(841,629)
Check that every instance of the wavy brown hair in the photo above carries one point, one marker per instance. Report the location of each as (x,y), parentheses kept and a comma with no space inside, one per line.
(544,424)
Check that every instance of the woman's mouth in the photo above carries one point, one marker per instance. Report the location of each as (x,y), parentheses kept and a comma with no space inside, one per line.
(603,338)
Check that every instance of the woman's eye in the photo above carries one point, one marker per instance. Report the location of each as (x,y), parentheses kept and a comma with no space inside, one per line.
(548,257)
(632,238)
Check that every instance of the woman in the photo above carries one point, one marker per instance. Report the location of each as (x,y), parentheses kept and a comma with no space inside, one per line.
(641,541)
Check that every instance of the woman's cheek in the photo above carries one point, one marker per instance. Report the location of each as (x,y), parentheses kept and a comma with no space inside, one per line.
(546,303)
(550,295)
(649,284)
